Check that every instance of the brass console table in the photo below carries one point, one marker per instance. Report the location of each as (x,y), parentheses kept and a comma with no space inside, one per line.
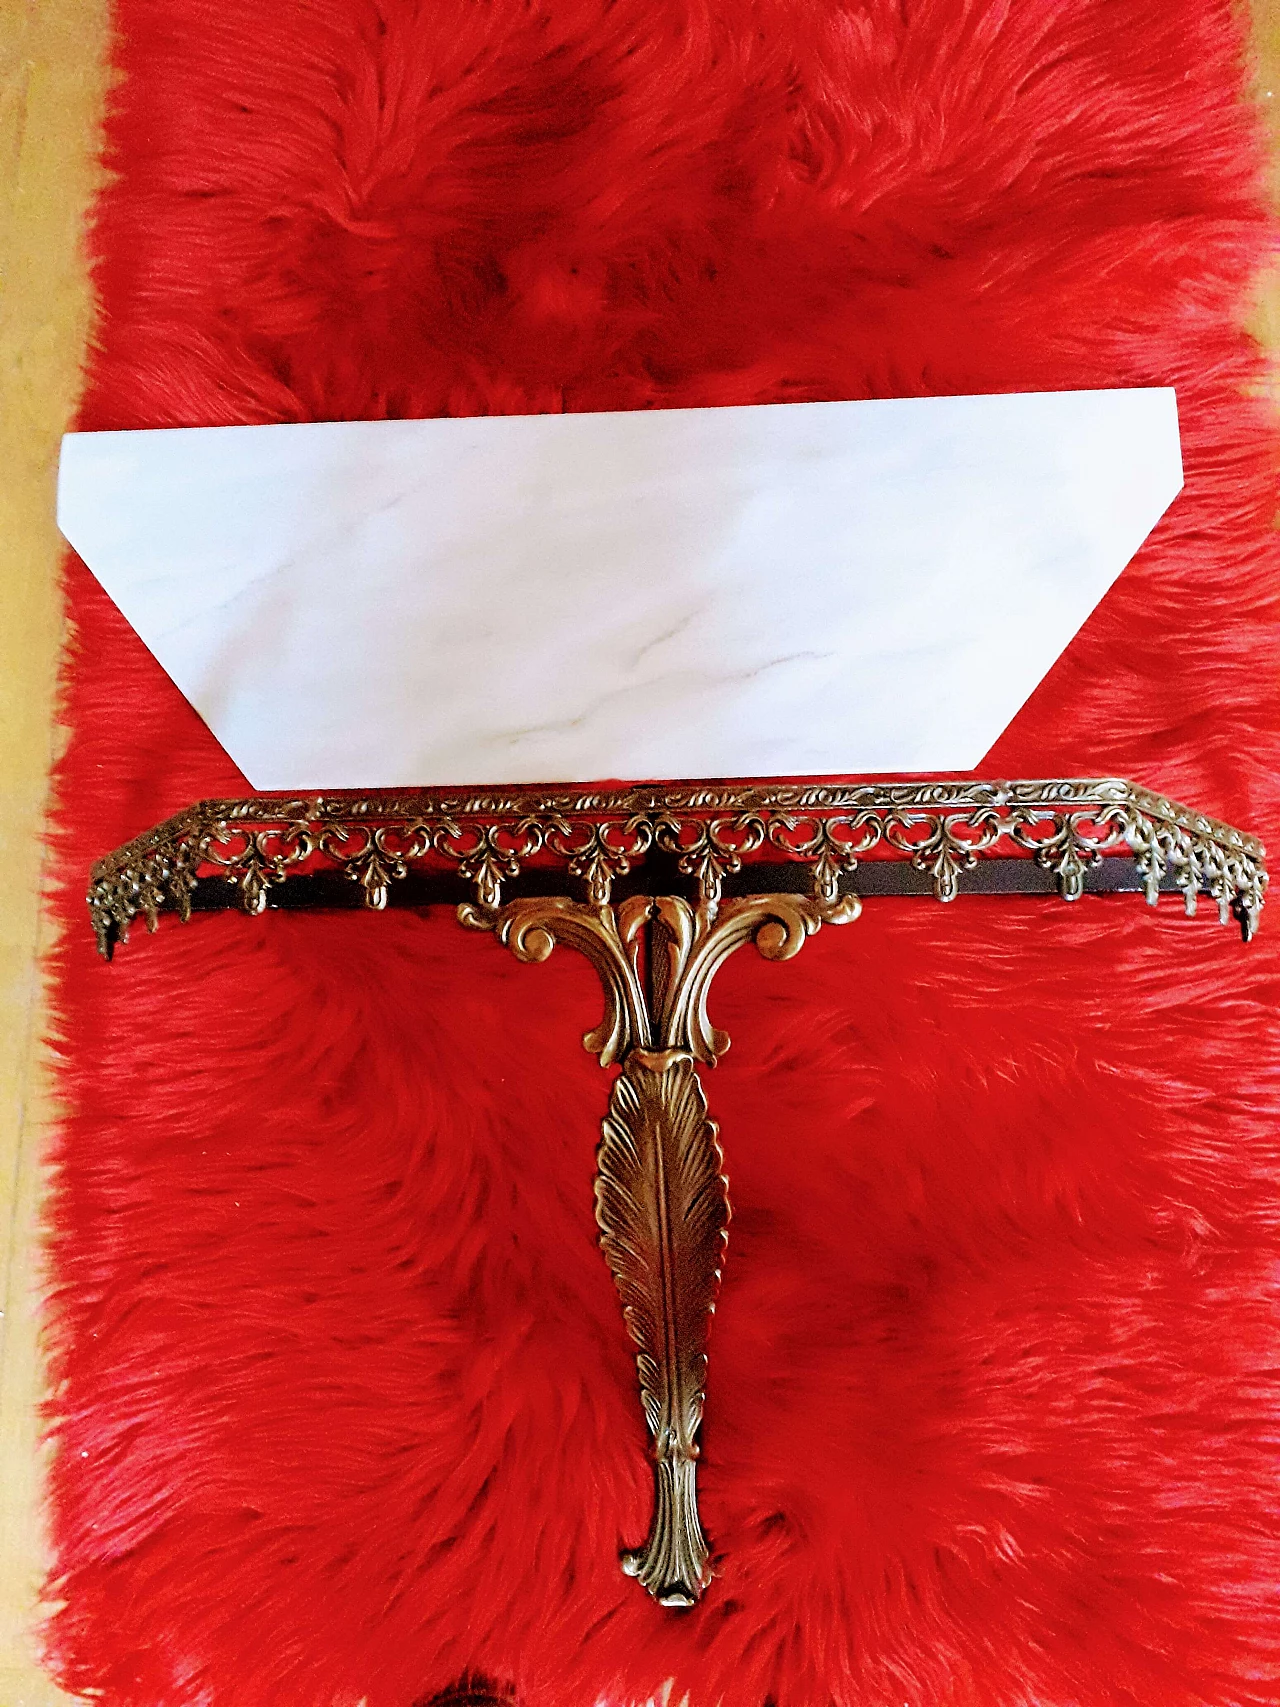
(657,886)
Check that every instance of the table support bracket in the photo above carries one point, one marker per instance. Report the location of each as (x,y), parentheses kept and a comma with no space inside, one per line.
(662,1201)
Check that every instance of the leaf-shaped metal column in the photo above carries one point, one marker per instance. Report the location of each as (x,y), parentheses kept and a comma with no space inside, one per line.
(661,1199)
(663,1208)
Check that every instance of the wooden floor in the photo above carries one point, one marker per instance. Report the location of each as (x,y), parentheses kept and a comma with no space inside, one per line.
(51,92)
(51,87)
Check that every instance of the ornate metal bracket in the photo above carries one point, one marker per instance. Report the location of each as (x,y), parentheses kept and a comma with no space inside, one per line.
(736,851)
(661,1200)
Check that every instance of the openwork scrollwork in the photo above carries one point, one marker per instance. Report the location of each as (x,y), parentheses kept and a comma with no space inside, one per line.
(256,860)
(486,854)
(833,846)
(597,852)
(375,855)
(714,832)
(946,847)
(1069,844)
(710,849)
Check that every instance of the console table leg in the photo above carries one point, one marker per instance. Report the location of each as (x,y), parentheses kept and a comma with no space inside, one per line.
(663,1208)
(661,1198)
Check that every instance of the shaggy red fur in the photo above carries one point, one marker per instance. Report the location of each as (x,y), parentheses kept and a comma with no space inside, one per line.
(344,1408)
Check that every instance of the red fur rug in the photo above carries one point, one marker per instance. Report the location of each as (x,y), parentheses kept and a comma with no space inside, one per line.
(344,1408)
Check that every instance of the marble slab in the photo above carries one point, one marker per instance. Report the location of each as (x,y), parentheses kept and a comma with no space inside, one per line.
(787,589)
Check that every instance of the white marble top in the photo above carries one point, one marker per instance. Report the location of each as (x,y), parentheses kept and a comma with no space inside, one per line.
(788,589)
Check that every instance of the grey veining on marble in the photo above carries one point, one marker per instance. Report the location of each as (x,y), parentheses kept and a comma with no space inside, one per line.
(778,590)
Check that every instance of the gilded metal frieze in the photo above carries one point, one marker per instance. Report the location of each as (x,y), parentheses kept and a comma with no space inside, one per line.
(942,829)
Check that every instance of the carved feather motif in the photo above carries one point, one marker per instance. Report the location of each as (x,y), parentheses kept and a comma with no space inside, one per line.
(663,1208)
(661,1199)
